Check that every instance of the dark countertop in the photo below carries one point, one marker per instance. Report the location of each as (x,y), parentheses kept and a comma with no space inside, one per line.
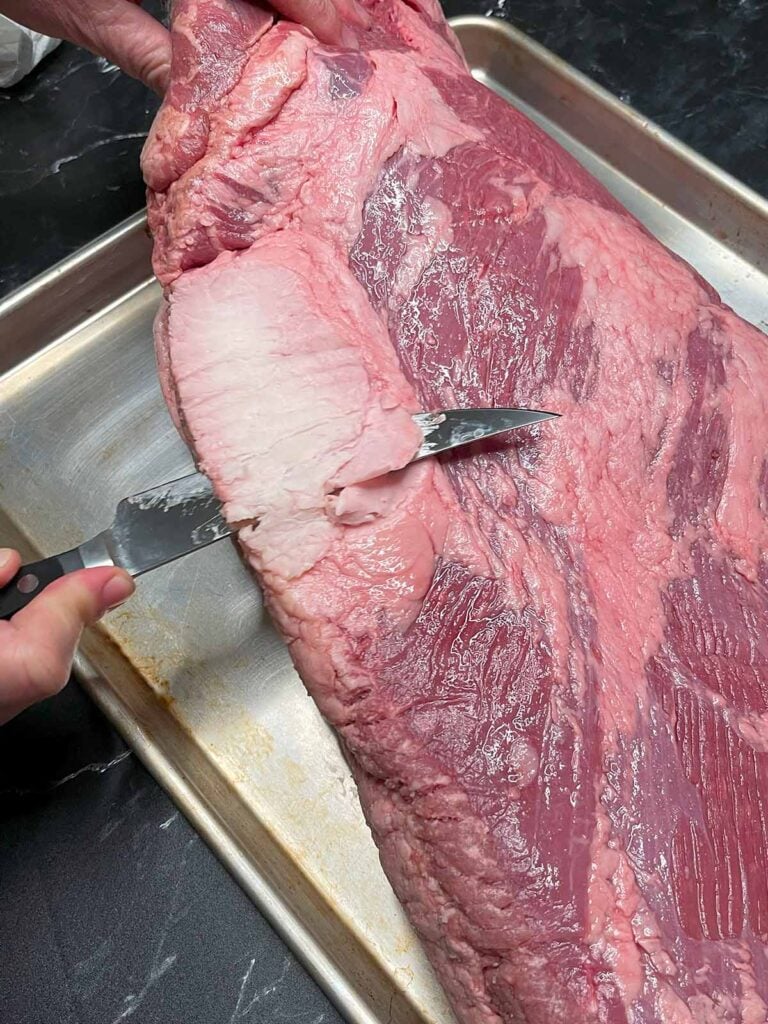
(111,908)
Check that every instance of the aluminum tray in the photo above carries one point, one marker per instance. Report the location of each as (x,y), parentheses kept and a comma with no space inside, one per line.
(192,673)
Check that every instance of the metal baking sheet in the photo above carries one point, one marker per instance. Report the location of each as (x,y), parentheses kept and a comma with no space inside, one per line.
(192,672)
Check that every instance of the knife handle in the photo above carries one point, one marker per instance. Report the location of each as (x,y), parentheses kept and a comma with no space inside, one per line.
(31,579)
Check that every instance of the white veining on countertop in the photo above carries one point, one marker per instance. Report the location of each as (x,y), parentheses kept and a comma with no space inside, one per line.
(241,994)
(29,174)
(111,826)
(120,137)
(88,973)
(133,1001)
(106,67)
(246,1003)
(162,961)
(97,767)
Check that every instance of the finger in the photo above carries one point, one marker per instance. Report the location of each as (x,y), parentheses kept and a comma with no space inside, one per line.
(131,38)
(116,29)
(10,563)
(331,21)
(47,631)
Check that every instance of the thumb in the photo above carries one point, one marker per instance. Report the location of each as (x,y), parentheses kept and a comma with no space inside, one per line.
(46,632)
(130,38)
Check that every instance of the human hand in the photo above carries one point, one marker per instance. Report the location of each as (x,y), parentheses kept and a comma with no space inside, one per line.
(116,29)
(136,42)
(39,642)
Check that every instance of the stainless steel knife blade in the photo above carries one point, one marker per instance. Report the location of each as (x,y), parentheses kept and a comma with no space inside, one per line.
(454,428)
(166,522)
(158,526)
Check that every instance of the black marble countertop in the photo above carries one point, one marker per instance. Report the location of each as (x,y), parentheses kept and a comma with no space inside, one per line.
(111,908)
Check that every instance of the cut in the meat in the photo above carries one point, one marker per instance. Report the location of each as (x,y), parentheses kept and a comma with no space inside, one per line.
(547,658)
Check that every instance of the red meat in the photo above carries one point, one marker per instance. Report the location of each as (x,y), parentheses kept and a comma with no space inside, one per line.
(546,657)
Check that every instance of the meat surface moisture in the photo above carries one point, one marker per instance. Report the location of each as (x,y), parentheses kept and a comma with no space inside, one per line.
(547,658)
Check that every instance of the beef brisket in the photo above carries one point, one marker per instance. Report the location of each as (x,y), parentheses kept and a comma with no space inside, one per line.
(547,658)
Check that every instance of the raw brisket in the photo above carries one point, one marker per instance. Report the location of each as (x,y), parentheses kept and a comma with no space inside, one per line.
(547,658)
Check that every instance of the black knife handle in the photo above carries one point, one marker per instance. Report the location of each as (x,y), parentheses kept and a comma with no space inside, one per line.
(31,579)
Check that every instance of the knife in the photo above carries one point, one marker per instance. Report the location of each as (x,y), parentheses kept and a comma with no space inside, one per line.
(164,523)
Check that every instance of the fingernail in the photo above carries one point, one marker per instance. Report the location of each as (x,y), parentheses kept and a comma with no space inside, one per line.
(116,591)
(5,556)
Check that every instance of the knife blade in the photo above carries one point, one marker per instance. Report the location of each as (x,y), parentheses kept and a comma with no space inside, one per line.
(164,523)
(454,428)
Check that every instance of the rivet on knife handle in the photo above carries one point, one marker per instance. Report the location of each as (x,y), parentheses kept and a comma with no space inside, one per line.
(32,578)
